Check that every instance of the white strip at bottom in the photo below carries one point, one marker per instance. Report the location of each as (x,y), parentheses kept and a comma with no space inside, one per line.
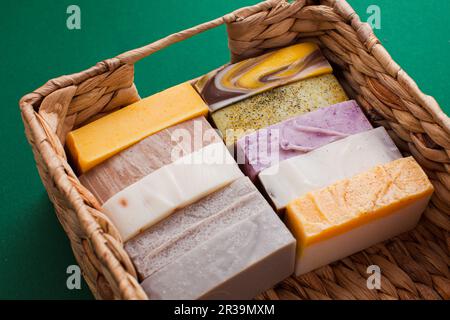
(333,249)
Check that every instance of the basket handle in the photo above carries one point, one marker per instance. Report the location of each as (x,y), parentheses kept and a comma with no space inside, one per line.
(133,56)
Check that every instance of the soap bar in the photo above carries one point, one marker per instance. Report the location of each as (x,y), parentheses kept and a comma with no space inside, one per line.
(174,226)
(228,245)
(247,78)
(150,154)
(277,105)
(353,214)
(299,135)
(338,160)
(107,136)
(174,186)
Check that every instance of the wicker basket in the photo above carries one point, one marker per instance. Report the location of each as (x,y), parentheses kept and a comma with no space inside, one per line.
(414,265)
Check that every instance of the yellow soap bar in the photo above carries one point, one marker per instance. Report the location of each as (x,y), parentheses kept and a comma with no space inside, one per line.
(355,213)
(101,139)
(277,105)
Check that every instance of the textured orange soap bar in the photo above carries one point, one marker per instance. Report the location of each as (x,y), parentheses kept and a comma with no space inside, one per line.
(349,203)
(101,139)
(354,214)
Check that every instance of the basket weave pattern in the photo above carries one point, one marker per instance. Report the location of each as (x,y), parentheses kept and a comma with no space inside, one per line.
(414,265)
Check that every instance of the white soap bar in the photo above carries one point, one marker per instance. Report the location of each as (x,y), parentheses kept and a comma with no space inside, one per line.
(174,186)
(325,252)
(342,159)
(239,262)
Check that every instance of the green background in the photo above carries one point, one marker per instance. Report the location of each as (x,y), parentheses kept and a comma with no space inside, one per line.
(37,46)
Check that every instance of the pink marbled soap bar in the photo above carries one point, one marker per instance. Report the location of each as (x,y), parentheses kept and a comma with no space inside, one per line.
(267,147)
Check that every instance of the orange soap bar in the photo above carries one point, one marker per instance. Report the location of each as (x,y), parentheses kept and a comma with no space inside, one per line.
(353,214)
(101,139)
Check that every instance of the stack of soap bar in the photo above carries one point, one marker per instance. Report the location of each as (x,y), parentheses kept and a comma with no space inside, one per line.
(342,159)
(101,139)
(265,90)
(199,231)
(173,186)
(353,214)
(147,156)
(293,137)
(228,245)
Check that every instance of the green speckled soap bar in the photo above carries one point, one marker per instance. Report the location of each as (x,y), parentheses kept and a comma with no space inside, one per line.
(277,105)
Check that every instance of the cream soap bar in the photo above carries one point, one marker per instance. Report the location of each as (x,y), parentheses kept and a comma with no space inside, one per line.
(103,138)
(247,78)
(353,214)
(174,186)
(150,154)
(277,105)
(342,159)
(228,245)
(299,135)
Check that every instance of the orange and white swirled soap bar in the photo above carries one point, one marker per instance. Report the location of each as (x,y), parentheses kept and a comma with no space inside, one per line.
(101,139)
(356,213)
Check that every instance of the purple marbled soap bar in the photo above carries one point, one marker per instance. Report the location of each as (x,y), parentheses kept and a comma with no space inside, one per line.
(284,140)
